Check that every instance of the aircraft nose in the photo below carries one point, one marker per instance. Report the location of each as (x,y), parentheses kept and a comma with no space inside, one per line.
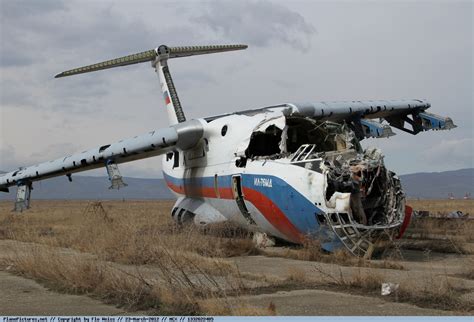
(376,204)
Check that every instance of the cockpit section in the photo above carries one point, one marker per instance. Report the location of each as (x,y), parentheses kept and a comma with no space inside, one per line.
(362,200)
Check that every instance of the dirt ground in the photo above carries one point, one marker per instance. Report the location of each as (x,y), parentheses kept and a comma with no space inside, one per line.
(42,252)
(22,296)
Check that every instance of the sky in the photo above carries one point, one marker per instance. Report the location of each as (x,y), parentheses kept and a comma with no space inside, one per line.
(298,51)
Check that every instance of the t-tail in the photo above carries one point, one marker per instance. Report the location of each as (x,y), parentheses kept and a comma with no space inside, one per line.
(159,60)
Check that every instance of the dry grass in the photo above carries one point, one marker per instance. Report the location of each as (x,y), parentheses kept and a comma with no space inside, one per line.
(138,237)
(450,246)
(194,275)
(363,280)
(240,308)
(440,228)
(468,270)
(440,234)
(311,251)
(443,206)
(296,275)
(174,287)
(190,261)
(77,275)
(437,293)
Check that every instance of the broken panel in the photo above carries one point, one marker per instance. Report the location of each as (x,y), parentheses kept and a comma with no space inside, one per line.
(375,129)
(116,179)
(23,195)
(367,197)
(363,200)
(419,122)
(432,121)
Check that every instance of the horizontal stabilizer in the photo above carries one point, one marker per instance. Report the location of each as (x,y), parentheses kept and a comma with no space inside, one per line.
(151,55)
(175,52)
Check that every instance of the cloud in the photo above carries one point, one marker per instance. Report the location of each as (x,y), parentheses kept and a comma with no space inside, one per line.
(257,23)
(54,151)
(8,160)
(19,8)
(452,154)
(15,50)
(41,38)
(38,41)
(186,80)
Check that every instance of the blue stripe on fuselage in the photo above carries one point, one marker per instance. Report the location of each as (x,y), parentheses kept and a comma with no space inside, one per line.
(298,209)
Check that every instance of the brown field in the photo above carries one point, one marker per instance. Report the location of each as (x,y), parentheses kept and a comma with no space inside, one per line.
(130,255)
(441,206)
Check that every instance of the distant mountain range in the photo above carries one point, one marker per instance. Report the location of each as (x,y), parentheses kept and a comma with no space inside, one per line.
(438,185)
(95,188)
(433,185)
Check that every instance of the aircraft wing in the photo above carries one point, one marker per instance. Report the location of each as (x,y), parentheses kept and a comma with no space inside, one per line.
(151,144)
(406,115)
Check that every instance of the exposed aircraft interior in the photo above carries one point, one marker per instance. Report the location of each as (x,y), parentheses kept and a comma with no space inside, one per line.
(348,168)
(273,141)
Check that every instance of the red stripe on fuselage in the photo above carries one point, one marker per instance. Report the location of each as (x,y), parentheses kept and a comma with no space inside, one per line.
(273,214)
(270,211)
(196,191)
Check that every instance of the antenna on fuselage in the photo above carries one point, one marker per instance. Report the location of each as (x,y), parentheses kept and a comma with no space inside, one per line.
(158,57)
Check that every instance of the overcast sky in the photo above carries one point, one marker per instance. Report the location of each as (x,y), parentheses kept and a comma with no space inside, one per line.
(298,51)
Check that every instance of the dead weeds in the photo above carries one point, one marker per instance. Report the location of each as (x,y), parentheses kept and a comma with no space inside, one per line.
(194,276)
(311,250)
(175,287)
(438,293)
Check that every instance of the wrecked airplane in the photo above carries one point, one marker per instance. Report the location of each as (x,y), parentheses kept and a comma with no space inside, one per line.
(358,202)
(291,171)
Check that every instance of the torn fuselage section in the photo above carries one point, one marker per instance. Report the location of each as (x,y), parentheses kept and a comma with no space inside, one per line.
(368,201)
(362,202)
(376,197)
(285,136)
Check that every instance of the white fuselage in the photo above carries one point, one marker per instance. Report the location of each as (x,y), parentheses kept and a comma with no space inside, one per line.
(280,197)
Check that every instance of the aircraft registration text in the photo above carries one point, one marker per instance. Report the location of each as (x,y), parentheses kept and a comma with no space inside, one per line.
(263,182)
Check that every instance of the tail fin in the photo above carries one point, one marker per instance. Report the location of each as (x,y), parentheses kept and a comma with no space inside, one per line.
(159,58)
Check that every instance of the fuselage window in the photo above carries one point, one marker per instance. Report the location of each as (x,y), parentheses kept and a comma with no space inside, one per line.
(224,130)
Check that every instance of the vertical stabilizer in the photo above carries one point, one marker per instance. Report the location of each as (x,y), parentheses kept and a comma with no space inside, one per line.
(170,95)
(159,58)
